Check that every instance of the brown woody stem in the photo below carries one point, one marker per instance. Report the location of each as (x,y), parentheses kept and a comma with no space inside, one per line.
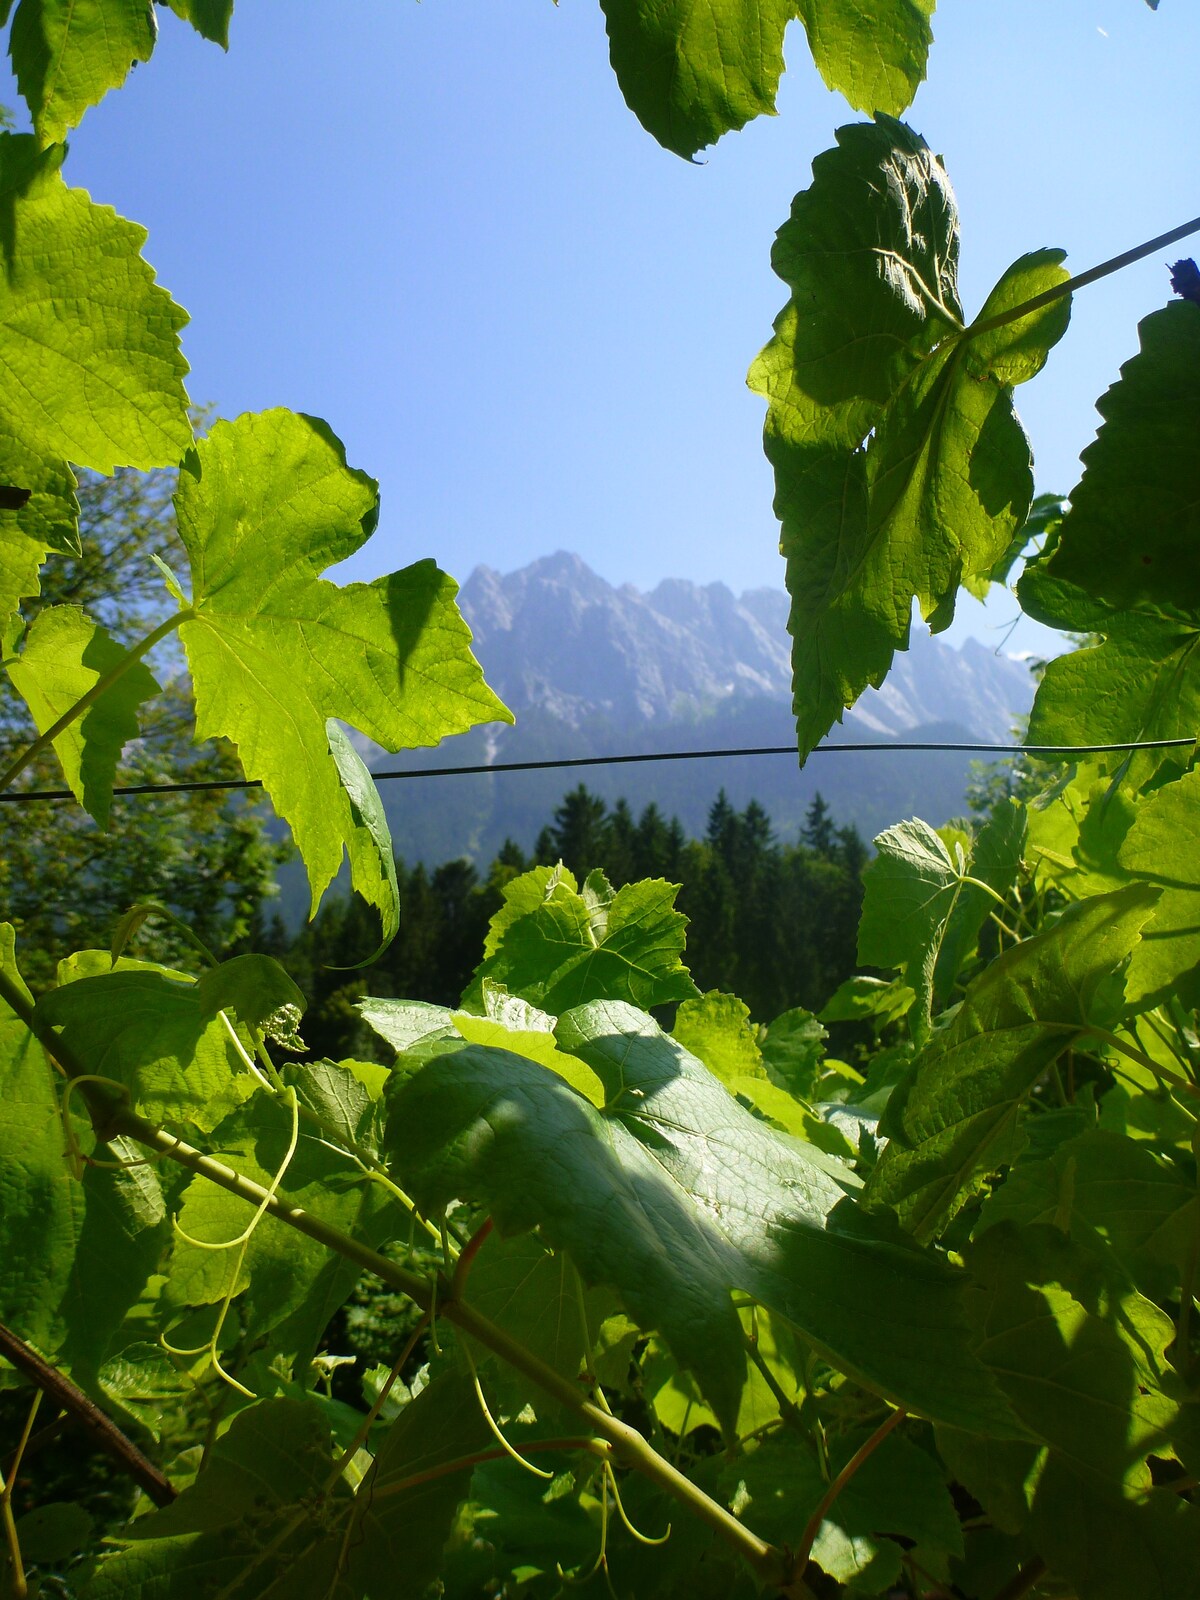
(104,1433)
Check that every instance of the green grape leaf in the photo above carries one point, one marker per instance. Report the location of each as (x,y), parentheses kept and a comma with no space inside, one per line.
(692,72)
(404,1514)
(369,843)
(899,1489)
(673,1195)
(89,344)
(210,18)
(1107,1194)
(557,946)
(260,1520)
(958,1113)
(901,468)
(254,988)
(792,1049)
(1043,522)
(66,657)
(512,1024)
(995,861)
(67,55)
(38,1221)
(1162,847)
(74,1254)
(240,1517)
(144,1028)
(1142,682)
(265,504)
(507,1023)
(1142,473)
(1083,1366)
(523,896)
(910,891)
(537,1298)
(716,1030)
(875,58)
(344,1099)
(53,1531)
(49,519)
(862,999)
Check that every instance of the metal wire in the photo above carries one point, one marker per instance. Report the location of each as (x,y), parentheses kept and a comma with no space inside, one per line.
(1039,751)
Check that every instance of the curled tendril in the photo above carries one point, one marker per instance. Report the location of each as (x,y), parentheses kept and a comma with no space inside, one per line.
(240,1244)
(642,1538)
(246,1234)
(210,1345)
(508,1449)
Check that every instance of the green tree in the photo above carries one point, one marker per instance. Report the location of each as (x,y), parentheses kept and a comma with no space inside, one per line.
(208,856)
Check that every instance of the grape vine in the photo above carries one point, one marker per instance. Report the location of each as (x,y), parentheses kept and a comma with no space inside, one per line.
(696,1306)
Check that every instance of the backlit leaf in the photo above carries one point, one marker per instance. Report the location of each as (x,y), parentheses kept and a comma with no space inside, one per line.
(67,55)
(1162,847)
(957,1114)
(1142,472)
(66,655)
(909,893)
(210,18)
(74,1254)
(559,946)
(369,844)
(265,504)
(691,72)
(674,1195)
(89,344)
(901,468)
(145,1028)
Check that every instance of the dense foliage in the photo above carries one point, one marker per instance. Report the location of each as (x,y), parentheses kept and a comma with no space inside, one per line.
(777,923)
(683,1304)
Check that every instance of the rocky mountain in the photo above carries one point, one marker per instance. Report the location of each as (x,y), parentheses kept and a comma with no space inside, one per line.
(556,637)
(593,670)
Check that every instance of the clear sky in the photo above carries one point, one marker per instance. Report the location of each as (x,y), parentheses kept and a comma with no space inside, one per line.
(437,226)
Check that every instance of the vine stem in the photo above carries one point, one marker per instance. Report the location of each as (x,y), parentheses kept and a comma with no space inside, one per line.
(626,1445)
(470,1250)
(105,681)
(1132,1053)
(852,1466)
(104,1433)
(19,1586)
(1081,281)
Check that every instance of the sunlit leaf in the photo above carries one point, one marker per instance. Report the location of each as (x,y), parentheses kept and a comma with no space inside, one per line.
(265,504)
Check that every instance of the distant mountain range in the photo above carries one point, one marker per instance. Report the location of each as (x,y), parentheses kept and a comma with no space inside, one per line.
(591,670)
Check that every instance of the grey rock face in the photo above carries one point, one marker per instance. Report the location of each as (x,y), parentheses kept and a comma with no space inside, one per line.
(556,637)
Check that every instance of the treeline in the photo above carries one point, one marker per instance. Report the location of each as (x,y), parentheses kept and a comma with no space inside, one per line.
(774,923)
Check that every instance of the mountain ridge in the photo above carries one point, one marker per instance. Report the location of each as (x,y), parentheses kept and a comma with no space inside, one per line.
(593,671)
(554,634)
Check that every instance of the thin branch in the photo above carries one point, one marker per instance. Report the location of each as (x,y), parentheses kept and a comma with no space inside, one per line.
(1092,275)
(104,1432)
(470,1250)
(813,1526)
(19,1586)
(102,683)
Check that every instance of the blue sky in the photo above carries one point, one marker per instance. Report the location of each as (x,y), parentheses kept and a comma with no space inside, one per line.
(438,226)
